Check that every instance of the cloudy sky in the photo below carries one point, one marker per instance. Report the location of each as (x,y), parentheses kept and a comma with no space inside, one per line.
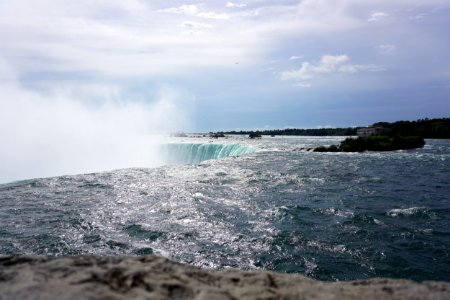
(72,71)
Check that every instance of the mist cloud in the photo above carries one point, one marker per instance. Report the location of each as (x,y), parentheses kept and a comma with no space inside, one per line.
(54,133)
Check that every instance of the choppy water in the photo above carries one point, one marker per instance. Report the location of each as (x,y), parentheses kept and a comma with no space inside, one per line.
(330,216)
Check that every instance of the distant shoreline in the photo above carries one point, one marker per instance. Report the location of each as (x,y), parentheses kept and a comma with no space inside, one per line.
(426,128)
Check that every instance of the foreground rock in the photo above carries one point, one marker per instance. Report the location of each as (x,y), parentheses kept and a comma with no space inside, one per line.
(152,277)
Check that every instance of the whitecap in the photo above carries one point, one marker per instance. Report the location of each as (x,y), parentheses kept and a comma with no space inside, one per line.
(404,211)
(198,195)
(310,266)
(378,222)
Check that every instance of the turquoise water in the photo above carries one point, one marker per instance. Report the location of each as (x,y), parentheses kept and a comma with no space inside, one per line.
(193,153)
(270,205)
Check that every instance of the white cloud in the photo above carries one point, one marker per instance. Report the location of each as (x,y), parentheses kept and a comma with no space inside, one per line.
(235,5)
(195,10)
(302,85)
(376,16)
(195,28)
(136,38)
(189,24)
(331,61)
(193,33)
(213,15)
(7,72)
(418,17)
(328,64)
(148,43)
(188,9)
(295,57)
(386,48)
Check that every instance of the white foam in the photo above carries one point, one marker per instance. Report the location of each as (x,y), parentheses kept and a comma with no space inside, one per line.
(404,211)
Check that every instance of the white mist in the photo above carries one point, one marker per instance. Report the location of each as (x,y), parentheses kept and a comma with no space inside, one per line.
(53,133)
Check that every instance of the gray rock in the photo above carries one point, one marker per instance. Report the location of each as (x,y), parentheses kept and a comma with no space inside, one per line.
(152,277)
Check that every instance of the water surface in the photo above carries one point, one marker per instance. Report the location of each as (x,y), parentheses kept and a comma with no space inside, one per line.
(330,216)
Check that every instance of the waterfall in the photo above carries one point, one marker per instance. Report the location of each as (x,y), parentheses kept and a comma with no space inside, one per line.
(187,153)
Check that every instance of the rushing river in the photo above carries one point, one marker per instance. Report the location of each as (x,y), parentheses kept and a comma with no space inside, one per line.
(249,204)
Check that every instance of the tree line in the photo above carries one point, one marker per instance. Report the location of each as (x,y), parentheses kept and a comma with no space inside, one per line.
(295,131)
(425,128)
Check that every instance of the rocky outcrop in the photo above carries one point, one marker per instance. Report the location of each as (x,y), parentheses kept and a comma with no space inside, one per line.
(375,143)
(151,277)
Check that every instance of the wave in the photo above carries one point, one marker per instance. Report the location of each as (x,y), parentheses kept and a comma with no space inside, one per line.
(191,153)
(412,211)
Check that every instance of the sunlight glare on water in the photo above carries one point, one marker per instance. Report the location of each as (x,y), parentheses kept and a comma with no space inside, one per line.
(278,206)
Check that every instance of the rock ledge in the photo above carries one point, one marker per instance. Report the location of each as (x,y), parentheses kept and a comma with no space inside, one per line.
(152,277)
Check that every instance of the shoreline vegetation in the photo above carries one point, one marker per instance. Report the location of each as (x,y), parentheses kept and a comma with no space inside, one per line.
(375,143)
(425,128)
